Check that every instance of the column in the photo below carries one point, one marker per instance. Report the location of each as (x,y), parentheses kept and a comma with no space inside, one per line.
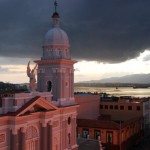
(66,134)
(49,137)
(72,86)
(74,126)
(59,83)
(63,89)
(44,136)
(23,139)
(63,134)
(14,140)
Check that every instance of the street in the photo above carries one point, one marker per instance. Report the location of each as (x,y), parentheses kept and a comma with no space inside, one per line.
(142,145)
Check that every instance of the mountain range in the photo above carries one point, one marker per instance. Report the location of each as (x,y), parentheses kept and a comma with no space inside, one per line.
(134,78)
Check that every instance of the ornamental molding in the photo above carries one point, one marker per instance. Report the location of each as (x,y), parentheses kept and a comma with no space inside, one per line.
(2,138)
(56,46)
(55,123)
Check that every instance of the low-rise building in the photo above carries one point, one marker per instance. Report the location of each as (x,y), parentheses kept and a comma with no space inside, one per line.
(120,123)
(114,135)
(127,108)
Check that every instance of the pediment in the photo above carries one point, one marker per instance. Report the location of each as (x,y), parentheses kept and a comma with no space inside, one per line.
(37,104)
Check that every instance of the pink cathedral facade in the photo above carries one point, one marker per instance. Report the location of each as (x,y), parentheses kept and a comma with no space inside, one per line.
(44,119)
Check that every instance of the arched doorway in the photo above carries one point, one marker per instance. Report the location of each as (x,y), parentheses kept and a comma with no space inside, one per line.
(49,86)
(32,138)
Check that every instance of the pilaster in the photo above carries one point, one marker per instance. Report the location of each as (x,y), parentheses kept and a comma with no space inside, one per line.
(44,136)
(49,137)
(23,138)
(14,139)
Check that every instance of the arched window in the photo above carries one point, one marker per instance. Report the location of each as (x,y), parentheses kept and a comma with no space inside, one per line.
(31,138)
(49,86)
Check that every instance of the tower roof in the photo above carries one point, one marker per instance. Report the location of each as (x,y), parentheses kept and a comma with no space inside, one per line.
(56,36)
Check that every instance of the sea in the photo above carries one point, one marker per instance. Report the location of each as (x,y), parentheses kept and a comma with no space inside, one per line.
(120,91)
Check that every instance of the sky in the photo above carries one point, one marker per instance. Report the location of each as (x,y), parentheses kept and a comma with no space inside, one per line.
(107,38)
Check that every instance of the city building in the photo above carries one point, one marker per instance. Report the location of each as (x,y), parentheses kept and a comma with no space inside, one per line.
(118,130)
(126,108)
(114,135)
(44,119)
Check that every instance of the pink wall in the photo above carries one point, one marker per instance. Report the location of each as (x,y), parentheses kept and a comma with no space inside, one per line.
(89,106)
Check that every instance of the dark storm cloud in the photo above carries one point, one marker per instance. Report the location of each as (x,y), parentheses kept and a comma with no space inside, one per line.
(102,30)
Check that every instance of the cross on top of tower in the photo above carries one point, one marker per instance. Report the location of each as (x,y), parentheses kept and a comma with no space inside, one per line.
(55,4)
(55,14)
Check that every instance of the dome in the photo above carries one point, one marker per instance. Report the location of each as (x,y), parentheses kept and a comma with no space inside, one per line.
(56,36)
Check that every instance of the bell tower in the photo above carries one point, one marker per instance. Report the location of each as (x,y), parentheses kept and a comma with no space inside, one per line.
(55,69)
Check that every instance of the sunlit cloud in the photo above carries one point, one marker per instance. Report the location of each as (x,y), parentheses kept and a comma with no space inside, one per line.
(92,70)
(84,70)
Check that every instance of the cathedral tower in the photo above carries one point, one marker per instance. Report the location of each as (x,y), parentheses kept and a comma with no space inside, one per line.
(55,69)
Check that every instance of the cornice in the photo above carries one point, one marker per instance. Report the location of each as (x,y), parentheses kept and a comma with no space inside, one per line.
(56,61)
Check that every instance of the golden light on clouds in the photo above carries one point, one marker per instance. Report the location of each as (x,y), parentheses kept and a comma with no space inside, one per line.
(85,70)
(93,70)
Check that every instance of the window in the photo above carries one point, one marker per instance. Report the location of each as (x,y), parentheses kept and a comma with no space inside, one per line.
(106,106)
(96,134)
(66,84)
(101,106)
(111,106)
(129,107)
(116,107)
(69,120)
(109,136)
(121,107)
(85,133)
(138,108)
(49,86)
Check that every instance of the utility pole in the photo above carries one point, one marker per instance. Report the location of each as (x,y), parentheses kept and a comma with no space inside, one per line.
(120,138)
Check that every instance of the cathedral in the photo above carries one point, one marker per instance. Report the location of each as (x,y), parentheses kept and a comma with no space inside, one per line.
(44,118)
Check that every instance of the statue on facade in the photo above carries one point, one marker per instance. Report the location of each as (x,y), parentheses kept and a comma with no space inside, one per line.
(31,74)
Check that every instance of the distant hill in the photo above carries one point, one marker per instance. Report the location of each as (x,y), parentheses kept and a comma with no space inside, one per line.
(10,87)
(134,78)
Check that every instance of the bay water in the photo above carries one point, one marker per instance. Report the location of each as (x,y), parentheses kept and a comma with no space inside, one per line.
(120,91)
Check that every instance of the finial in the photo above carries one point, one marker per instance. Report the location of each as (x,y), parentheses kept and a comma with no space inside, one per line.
(55,14)
(55,4)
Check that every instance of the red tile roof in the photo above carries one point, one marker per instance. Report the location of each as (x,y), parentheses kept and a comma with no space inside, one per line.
(98,124)
(106,124)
